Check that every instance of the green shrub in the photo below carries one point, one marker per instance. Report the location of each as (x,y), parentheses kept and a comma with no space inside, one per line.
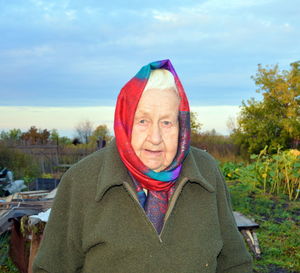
(230,170)
(21,164)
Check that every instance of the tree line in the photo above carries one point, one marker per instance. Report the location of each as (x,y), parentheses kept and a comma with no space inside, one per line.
(84,134)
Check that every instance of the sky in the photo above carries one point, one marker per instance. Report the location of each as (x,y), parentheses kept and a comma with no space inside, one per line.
(63,62)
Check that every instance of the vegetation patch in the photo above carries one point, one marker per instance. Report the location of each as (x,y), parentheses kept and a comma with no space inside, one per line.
(279,232)
(6,264)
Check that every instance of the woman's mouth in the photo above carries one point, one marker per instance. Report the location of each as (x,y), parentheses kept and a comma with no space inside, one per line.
(153,152)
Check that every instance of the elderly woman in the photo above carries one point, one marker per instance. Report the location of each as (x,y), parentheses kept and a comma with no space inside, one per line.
(148,202)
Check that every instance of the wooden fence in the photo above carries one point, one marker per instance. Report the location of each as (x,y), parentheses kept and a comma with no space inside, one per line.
(54,158)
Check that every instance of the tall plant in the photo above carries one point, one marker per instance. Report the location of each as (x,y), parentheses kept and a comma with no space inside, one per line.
(275,174)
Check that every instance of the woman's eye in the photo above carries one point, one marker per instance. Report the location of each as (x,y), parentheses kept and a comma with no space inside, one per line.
(166,123)
(142,121)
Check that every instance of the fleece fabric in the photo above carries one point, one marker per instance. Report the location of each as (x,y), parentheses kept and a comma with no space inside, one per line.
(98,225)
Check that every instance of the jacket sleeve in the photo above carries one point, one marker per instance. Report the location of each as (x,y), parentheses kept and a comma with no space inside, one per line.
(234,257)
(60,249)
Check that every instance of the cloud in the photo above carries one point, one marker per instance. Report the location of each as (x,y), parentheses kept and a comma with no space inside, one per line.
(77,52)
(232,5)
(37,51)
(165,16)
(71,14)
(44,5)
(216,117)
(220,24)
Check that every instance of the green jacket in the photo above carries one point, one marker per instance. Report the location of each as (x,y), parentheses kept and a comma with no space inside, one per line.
(98,225)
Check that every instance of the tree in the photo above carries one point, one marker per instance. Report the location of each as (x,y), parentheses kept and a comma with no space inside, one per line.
(36,136)
(57,139)
(11,135)
(54,136)
(84,130)
(101,131)
(64,140)
(276,119)
(195,124)
(195,128)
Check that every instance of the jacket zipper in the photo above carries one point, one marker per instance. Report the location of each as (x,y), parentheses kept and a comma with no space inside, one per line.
(170,207)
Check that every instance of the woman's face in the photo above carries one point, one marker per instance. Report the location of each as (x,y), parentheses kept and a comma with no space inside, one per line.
(155,128)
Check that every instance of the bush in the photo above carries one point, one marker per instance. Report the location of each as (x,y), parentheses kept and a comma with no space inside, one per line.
(219,146)
(230,170)
(21,164)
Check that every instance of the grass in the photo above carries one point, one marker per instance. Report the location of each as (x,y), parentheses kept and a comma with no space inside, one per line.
(279,232)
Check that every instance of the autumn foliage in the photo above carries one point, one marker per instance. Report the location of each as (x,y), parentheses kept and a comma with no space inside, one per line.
(276,119)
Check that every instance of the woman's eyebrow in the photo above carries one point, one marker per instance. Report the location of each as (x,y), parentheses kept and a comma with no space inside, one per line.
(169,115)
(143,112)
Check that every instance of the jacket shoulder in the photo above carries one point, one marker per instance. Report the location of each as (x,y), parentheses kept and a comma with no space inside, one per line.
(203,156)
(88,163)
(84,173)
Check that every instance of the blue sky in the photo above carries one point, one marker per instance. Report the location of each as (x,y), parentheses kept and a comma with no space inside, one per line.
(80,53)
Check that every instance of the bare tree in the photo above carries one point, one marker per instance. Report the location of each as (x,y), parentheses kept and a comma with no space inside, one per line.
(84,130)
(231,124)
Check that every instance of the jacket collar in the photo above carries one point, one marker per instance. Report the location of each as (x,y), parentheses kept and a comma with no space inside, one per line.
(114,173)
(192,172)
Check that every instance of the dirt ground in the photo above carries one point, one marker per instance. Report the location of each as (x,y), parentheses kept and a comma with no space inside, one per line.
(276,269)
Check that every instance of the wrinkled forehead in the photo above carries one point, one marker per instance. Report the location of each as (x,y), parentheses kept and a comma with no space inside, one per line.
(159,101)
(158,93)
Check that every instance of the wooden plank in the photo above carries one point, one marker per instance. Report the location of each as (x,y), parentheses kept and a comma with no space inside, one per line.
(243,222)
(252,242)
(33,192)
(34,246)
(26,204)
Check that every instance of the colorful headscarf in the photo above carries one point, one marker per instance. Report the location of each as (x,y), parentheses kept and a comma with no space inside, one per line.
(127,102)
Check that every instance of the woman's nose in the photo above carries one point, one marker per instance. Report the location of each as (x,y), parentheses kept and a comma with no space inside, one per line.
(155,134)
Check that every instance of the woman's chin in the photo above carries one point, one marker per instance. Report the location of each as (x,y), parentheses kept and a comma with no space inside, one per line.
(154,166)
